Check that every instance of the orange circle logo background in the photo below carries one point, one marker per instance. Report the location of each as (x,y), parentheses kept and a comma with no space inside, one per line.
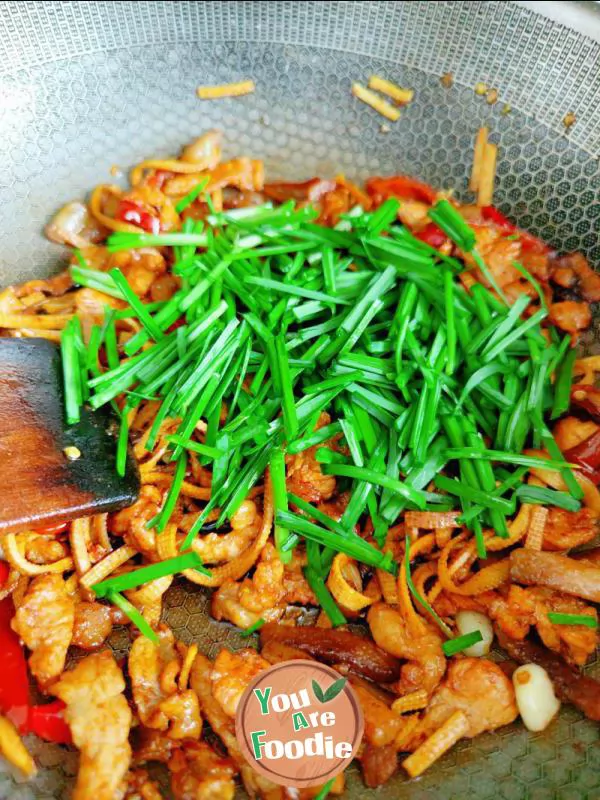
(336,721)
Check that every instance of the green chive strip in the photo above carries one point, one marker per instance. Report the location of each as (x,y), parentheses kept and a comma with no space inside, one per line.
(486,477)
(95,279)
(320,516)
(555,453)
(456,429)
(195,447)
(417,595)
(192,195)
(296,291)
(324,597)
(383,217)
(337,380)
(244,482)
(318,437)
(111,347)
(514,335)
(528,276)
(71,375)
(123,441)
(378,479)
(402,320)
(450,323)
(160,521)
(328,263)
(449,219)
(324,791)
(136,304)
(200,520)
(203,286)
(507,458)
(513,480)
(470,493)
(547,497)
(573,619)
(134,615)
(454,646)
(290,416)
(499,327)
(138,577)
(488,275)
(256,626)
(478,379)
(562,386)
(353,546)
(280,501)
(135,241)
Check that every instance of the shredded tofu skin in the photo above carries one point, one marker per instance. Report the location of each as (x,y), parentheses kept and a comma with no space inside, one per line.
(226,90)
(380,105)
(397,93)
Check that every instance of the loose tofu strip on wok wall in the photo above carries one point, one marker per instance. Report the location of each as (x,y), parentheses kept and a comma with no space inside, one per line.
(363,401)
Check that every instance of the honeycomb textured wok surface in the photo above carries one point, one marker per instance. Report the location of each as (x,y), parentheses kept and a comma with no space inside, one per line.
(85,86)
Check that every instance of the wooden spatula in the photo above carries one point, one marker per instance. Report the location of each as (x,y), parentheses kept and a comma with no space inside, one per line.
(51,472)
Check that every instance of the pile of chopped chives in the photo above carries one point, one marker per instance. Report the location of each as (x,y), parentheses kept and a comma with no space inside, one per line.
(279,319)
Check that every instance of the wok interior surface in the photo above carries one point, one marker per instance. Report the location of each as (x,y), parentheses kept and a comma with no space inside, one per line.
(84,86)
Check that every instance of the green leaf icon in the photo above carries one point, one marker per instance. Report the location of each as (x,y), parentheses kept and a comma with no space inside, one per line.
(332,692)
(318,692)
(335,688)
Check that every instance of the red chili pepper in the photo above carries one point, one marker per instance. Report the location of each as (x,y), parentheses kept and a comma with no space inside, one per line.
(174,325)
(432,235)
(402,187)
(47,720)
(529,243)
(48,723)
(50,530)
(587,455)
(134,214)
(497,218)
(14,685)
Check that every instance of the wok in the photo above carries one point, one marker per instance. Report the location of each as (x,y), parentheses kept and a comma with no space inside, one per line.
(88,85)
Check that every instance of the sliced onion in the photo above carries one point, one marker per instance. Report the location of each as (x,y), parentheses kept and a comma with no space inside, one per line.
(75,226)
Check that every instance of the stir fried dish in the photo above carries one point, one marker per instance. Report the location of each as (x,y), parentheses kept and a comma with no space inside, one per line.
(361,419)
